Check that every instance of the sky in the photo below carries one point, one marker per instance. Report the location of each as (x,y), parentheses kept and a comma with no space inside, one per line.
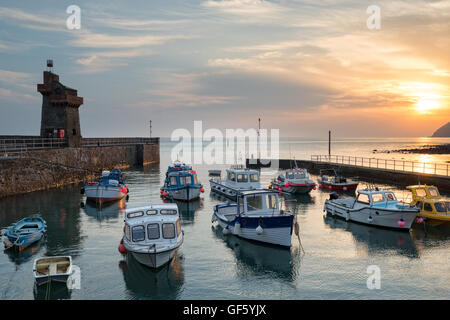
(303,67)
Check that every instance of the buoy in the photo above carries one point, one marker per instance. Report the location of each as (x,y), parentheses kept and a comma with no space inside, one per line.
(226,231)
(165,193)
(237,228)
(345,188)
(202,190)
(286,185)
(419,220)
(124,190)
(161,191)
(122,248)
(314,188)
(329,187)
(401,223)
(259,230)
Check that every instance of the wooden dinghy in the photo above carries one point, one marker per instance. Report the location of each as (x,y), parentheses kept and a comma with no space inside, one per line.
(52,269)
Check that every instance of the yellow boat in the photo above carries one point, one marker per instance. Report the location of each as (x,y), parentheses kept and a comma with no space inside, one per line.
(432,206)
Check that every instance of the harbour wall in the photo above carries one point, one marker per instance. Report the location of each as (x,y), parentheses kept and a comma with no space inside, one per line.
(394,177)
(49,168)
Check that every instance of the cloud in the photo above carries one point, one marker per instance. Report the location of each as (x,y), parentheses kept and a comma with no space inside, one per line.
(34,21)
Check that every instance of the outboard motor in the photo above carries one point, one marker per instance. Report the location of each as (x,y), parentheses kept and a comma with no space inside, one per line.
(334,196)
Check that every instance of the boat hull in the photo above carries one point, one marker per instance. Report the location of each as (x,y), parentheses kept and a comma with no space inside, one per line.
(154,260)
(104,193)
(19,237)
(373,216)
(224,190)
(351,186)
(184,194)
(294,188)
(276,230)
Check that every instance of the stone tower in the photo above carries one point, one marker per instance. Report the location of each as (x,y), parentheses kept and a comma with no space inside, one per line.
(60,105)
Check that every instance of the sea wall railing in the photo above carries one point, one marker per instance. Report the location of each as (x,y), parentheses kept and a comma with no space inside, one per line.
(101,142)
(388,164)
(26,143)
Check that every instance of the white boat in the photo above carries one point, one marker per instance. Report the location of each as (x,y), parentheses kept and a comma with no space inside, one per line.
(152,234)
(256,216)
(49,269)
(238,178)
(295,181)
(374,207)
(110,187)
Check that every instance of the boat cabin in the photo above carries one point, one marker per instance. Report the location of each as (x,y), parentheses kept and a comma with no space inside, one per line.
(243,178)
(376,198)
(420,192)
(181,178)
(258,202)
(154,223)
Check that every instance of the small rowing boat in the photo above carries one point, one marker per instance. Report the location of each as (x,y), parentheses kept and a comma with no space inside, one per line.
(24,233)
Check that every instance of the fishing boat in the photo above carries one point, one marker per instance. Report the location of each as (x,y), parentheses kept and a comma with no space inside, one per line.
(109,187)
(374,207)
(256,216)
(432,206)
(294,181)
(24,233)
(152,234)
(56,269)
(335,181)
(181,183)
(238,179)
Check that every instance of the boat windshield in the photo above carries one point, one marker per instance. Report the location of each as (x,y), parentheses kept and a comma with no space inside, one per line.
(363,198)
(440,207)
(390,196)
(433,192)
(421,192)
(242,178)
(271,201)
(254,177)
(377,197)
(173,181)
(231,176)
(254,202)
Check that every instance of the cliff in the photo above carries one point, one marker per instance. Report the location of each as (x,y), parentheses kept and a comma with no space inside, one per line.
(443,131)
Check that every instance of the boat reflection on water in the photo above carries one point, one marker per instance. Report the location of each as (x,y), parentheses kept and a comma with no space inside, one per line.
(188,210)
(262,259)
(165,283)
(297,203)
(19,257)
(52,291)
(106,211)
(376,240)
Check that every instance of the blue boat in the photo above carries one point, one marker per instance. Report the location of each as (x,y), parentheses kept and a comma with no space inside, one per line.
(181,183)
(256,216)
(109,187)
(24,233)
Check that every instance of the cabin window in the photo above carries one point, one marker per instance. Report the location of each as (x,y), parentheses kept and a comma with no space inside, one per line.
(173,181)
(433,192)
(363,198)
(440,207)
(254,203)
(254,177)
(300,175)
(168,230)
(419,205)
(377,197)
(290,176)
(178,228)
(427,207)
(135,214)
(448,205)
(153,231)
(182,181)
(138,233)
(127,232)
(231,176)
(188,180)
(390,196)
(242,178)
(151,212)
(421,192)
(271,201)
(168,211)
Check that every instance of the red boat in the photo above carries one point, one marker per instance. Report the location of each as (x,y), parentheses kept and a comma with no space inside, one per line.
(335,182)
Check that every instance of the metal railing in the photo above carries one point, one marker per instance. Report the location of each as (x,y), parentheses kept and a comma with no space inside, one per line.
(18,144)
(388,164)
(99,142)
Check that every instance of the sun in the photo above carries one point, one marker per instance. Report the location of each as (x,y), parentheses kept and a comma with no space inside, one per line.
(426,104)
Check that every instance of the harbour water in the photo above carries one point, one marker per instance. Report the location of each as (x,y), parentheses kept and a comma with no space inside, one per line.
(210,265)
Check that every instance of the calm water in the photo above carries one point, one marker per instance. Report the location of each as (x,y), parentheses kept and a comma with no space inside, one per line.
(212,266)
